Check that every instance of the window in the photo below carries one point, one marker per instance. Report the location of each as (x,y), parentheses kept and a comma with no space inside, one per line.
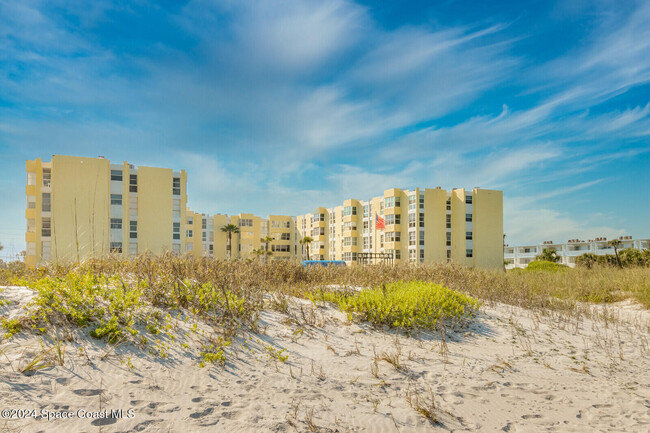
(31,202)
(46,230)
(116,223)
(190,220)
(468,217)
(411,220)
(31,225)
(448,255)
(189,233)
(421,219)
(468,199)
(47,204)
(448,239)
(448,221)
(349,210)
(47,177)
(390,202)
(366,226)
(244,222)
(468,252)
(204,223)
(275,224)
(349,241)
(281,248)
(316,231)
(411,238)
(287,224)
(189,247)
(448,204)
(393,237)
(468,236)
(366,210)
(349,226)
(421,200)
(204,236)
(422,241)
(133,248)
(393,219)
(31,249)
(116,199)
(116,175)
(116,247)
(133,183)
(133,229)
(176,186)
(31,179)
(176,231)
(285,236)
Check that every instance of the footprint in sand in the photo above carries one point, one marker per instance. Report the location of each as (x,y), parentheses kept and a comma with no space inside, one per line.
(87,392)
(198,415)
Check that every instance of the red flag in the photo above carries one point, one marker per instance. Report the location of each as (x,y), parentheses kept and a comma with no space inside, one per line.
(380,223)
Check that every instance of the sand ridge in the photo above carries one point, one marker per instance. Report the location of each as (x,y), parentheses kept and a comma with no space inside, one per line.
(512,370)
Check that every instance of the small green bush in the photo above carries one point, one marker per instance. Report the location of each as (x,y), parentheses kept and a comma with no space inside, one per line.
(406,304)
(543,265)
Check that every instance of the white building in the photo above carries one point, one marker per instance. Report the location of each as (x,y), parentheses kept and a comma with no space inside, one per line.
(521,256)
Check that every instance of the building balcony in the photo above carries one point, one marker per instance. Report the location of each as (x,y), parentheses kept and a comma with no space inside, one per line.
(393,228)
(31,190)
(30,236)
(30,213)
(392,210)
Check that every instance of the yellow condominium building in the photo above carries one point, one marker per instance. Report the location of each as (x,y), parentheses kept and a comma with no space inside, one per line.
(420,225)
(87,207)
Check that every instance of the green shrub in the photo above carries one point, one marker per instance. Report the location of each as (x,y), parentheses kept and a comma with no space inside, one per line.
(406,304)
(543,265)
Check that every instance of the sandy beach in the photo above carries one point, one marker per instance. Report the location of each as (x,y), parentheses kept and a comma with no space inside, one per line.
(512,370)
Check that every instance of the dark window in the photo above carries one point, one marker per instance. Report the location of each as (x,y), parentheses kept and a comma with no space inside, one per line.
(116,247)
(468,236)
(47,227)
(469,253)
(176,186)
(468,217)
(468,199)
(116,175)
(116,199)
(47,204)
(133,229)
(133,183)
(176,231)
(116,223)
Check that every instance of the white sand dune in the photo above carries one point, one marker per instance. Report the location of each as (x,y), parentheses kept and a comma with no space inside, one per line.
(512,370)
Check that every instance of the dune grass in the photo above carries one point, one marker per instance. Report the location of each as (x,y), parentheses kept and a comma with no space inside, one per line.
(407,305)
(118,300)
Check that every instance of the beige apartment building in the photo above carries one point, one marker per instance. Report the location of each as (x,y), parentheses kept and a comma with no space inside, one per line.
(420,225)
(87,207)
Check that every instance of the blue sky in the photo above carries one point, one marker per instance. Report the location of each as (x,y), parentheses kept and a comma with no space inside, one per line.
(275,107)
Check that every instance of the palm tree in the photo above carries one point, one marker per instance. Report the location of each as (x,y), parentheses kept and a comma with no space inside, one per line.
(266,240)
(230,229)
(549,255)
(306,241)
(616,243)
